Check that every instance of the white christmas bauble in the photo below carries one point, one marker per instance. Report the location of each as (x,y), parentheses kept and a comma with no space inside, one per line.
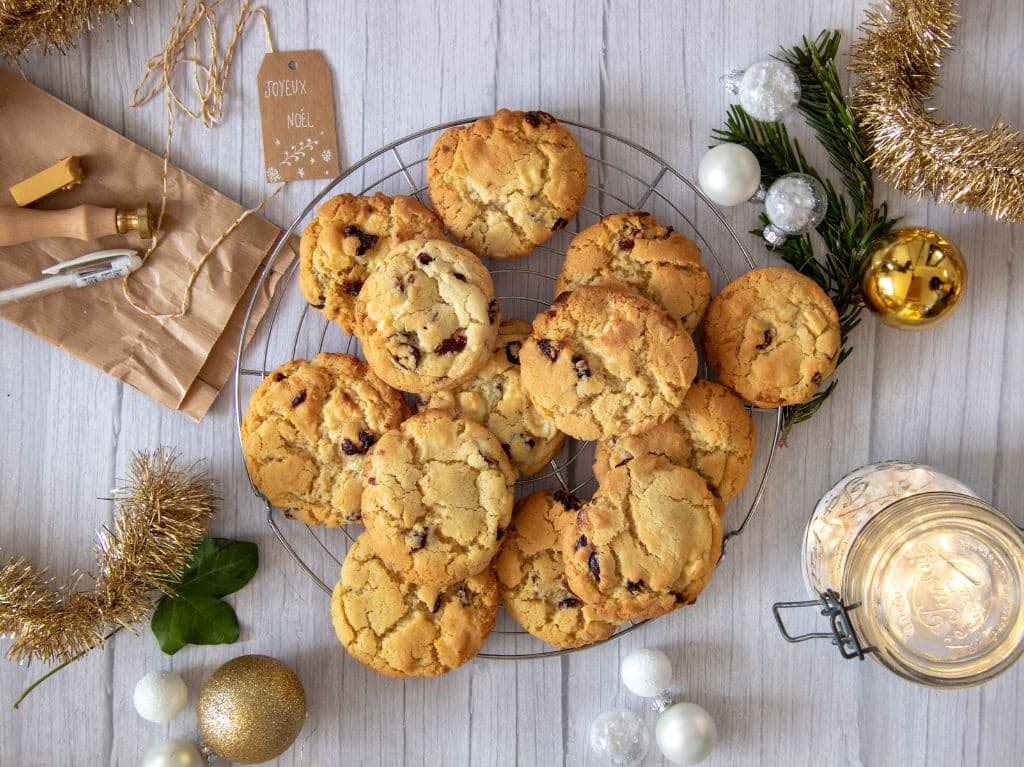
(729,174)
(619,738)
(646,672)
(160,696)
(685,733)
(769,90)
(173,753)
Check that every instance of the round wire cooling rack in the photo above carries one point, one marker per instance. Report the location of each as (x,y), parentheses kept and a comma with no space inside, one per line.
(623,176)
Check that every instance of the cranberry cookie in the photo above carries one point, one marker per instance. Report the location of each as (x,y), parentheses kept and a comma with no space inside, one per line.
(438,498)
(632,251)
(712,433)
(603,363)
(773,336)
(646,543)
(306,432)
(399,629)
(428,318)
(531,575)
(506,183)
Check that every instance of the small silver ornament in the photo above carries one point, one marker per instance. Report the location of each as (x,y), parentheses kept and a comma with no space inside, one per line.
(619,738)
(795,204)
(768,90)
(685,733)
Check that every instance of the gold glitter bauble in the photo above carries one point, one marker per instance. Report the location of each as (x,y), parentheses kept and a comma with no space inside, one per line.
(251,709)
(914,278)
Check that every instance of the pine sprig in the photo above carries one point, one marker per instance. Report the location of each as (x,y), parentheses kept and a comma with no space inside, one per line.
(852,222)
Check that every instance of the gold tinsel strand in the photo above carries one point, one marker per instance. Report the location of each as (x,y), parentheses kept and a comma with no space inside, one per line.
(161,516)
(898,58)
(49,23)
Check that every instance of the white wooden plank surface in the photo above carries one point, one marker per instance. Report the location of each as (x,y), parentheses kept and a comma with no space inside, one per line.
(950,397)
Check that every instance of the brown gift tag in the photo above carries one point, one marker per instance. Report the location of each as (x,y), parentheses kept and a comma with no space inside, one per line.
(300,140)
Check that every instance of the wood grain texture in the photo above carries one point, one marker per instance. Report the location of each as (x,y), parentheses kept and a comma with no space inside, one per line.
(949,397)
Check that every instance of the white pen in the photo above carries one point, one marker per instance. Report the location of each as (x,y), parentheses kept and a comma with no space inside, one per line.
(85,270)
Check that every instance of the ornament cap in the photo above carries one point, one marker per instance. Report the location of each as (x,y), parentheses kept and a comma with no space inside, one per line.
(774,236)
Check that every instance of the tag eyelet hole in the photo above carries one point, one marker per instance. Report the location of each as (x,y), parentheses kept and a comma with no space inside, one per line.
(293,64)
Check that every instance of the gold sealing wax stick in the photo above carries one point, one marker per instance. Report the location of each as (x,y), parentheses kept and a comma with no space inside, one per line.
(61,175)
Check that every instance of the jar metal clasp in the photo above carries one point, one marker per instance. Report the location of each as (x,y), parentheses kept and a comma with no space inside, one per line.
(841,634)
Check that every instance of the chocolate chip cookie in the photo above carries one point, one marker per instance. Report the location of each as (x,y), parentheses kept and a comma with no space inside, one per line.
(712,433)
(342,245)
(632,251)
(306,432)
(438,498)
(773,336)
(646,543)
(427,317)
(399,629)
(604,363)
(495,398)
(531,575)
(506,183)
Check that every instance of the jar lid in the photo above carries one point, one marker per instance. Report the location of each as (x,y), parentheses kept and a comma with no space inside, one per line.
(939,578)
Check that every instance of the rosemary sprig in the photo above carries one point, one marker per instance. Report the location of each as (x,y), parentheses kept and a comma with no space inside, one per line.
(852,222)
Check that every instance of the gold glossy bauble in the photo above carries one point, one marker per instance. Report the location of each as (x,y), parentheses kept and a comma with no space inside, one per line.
(914,278)
(251,709)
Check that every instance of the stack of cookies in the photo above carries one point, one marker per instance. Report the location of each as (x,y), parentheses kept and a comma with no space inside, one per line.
(333,441)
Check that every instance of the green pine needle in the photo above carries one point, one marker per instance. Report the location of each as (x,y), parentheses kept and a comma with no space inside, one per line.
(852,223)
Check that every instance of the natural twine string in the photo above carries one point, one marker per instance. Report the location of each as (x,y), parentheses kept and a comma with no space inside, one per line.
(208,82)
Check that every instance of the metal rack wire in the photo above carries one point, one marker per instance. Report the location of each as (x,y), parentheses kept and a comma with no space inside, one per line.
(623,176)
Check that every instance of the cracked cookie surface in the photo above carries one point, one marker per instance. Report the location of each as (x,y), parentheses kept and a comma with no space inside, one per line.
(399,629)
(646,543)
(427,317)
(712,433)
(506,183)
(346,240)
(495,398)
(531,575)
(307,430)
(773,337)
(632,251)
(603,363)
(438,498)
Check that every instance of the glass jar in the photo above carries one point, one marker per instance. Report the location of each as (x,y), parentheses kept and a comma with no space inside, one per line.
(916,571)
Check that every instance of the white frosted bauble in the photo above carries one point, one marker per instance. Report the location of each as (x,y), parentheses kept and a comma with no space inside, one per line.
(769,90)
(685,733)
(160,696)
(173,753)
(729,174)
(646,672)
(619,738)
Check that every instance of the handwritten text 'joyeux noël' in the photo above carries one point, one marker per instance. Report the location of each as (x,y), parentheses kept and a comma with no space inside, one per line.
(287,89)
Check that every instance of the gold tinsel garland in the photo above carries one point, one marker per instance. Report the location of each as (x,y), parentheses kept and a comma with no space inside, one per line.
(898,58)
(161,513)
(49,23)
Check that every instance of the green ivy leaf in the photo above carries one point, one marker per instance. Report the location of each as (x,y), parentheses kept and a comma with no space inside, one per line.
(193,619)
(193,612)
(220,567)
